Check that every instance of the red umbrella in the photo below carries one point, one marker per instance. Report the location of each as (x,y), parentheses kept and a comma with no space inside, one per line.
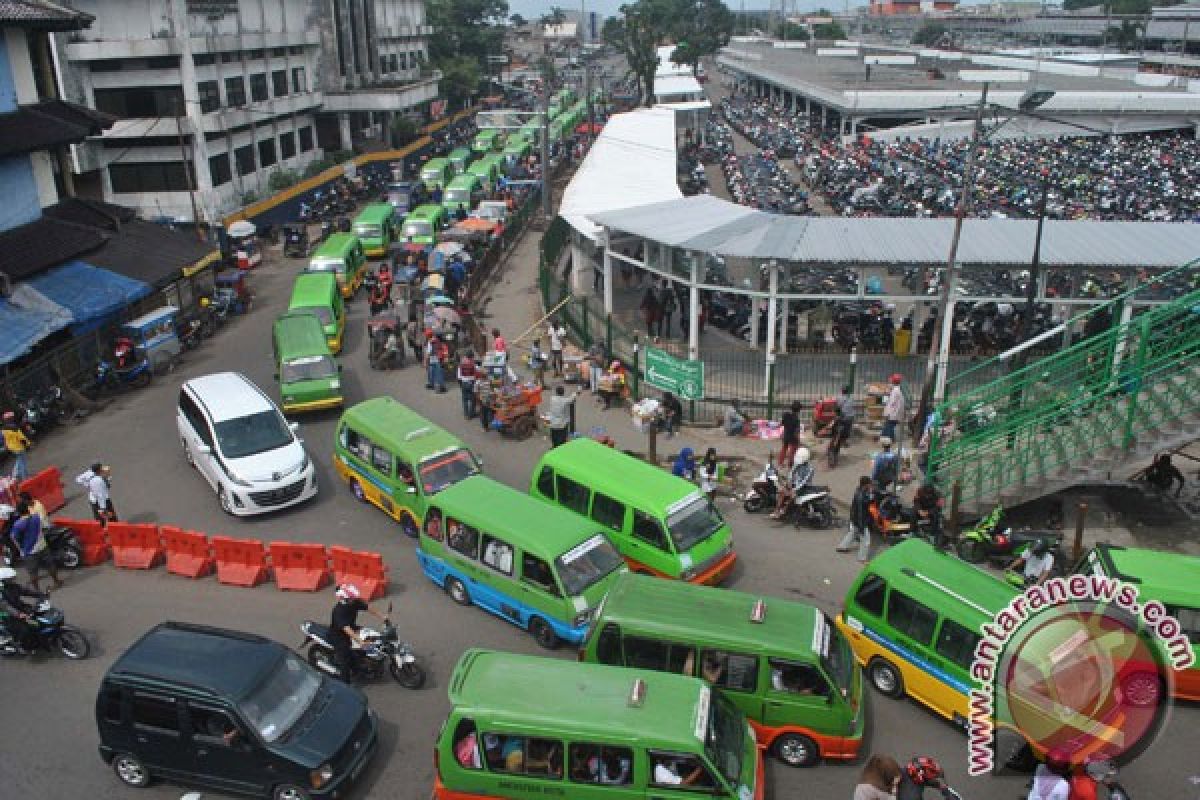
(589,127)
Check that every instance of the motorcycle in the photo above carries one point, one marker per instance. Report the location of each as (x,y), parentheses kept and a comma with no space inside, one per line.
(62,542)
(50,633)
(987,542)
(383,650)
(812,506)
(764,492)
(110,379)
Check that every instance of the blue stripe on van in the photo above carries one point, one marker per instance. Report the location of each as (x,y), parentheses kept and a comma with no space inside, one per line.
(960,686)
(439,571)
(366,476)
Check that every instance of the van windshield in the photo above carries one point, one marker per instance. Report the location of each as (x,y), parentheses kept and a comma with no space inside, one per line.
(275,705)
(417,227)
(431,175)
(365,231)
(309,368)
(724,743)
(693,523)
(836,658)
(326,266)
(447,469)
(323,313)
(252,434)
(587,564)
(456,196)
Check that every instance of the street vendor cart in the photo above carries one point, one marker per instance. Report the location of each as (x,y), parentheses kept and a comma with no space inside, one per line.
(515,410)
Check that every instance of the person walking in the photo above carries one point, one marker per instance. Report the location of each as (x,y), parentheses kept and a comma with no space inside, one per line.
(885,469)
(558,416)
(537,362)
(467,375)
(879,780)
(558,336)
(667,306)
(434,356)
(17,443)
(597,358)
(485,397)
(860,520)
(650,312)
(98,482)
(893,410)
(29,533)
(791,434)
(709,474)
(412,334)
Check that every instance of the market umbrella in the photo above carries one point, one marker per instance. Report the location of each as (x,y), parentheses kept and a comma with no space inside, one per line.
(476,224)
(449,248)
(241,229)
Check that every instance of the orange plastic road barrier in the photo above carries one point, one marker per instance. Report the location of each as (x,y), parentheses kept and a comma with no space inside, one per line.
(188,553)
(134,546)
(299,567)
(46,486)
(91,539)
(240,562)
(365,570)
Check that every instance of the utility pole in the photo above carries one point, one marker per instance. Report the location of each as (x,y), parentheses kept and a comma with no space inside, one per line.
(187,171)
(587,75)
(547,209)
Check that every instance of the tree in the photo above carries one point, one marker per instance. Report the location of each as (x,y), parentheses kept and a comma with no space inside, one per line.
(635,34)
(829,30)
(404,130)
(791,32)
(464,33)
(518,21)
(556,16)
(1126,37)
(930,33)
(701,28)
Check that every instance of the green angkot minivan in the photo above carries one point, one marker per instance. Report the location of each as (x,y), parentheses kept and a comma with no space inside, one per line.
(543,569)
(663,525)
(309,378)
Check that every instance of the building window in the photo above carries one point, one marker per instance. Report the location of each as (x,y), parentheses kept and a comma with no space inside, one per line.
(287,145)
(159,101)
(258,87)
(163,62)
(306,139)
(108,65)
(279,51)
(299,80)
(229,57)
(279,82)
(266,152)
(210,96)
(235,91)
(218,169)
(254,54)
(245,159)
(296,50)
(164,176)
(204,59)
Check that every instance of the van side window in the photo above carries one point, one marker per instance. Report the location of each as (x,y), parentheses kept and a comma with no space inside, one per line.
(1189,622)
(545,483)
(679,770)
(608,646)
(212,725)
(796,678)
(956,643)
(191,412)
(594,763)
(520,755)
(157,713)
(648,529)
(727,670)
(870,595)
(381,460)
(462,538)
(466,745)
(537,572)
(497,554)
(573,495)
(357,444)
(110,705)
(608,512)
(661,656)
(911,618)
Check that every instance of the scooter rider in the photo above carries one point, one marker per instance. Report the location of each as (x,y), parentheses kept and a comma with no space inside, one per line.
(19,613)
(1038,562)
(800,476)
(343,626)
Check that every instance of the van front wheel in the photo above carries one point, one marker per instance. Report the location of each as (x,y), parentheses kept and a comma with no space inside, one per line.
(543,634)
(886,678)
(289,791)
(797,750)
(458,592)
(131,771)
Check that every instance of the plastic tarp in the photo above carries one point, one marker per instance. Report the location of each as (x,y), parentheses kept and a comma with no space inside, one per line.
(22,328)
(91,294)
(631,163)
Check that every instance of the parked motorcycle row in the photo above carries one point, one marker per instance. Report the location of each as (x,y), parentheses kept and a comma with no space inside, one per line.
(758,181)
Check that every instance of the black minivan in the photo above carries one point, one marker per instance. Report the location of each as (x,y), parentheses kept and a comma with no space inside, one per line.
(231,711)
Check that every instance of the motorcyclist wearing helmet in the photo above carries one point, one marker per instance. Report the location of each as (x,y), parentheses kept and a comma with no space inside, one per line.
(919,774)
(1038,563)
(343,626)
(17,612)
(800,476)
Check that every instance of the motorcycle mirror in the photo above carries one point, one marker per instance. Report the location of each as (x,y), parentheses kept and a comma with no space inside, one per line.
(411,490)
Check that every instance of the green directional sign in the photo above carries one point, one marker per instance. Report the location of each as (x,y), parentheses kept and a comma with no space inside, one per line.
(683,377)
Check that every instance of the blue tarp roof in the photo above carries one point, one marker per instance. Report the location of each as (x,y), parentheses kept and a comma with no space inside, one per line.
(91,294)
(22,328)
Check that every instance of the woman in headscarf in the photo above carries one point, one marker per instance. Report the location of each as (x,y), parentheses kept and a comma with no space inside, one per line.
(685,464)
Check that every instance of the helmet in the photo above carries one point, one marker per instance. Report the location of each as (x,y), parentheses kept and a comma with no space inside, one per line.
(9,417)
(348,591)
(923,770)
(205,302)
(897,378)
(802,456)
(1040,547)
(7,574)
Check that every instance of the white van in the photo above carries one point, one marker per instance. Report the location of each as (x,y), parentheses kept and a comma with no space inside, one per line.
(239,441)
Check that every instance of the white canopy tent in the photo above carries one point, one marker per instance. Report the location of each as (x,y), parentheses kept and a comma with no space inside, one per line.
(631,162)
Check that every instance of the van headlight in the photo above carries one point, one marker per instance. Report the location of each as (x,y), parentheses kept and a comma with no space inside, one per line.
(335,384)
(321,776)
(581,619)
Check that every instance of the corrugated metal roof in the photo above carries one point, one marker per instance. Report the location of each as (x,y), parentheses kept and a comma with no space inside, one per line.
(708,224)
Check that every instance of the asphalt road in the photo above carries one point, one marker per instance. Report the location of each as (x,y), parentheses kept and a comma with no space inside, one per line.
(48,739)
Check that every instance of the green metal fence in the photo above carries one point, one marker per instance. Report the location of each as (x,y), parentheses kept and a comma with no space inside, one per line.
(1099,399)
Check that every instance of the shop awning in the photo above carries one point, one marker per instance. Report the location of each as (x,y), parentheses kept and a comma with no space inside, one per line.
(92,295)
(22,328)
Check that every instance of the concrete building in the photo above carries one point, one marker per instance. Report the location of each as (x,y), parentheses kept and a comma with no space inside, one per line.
(888,8)
(216,95)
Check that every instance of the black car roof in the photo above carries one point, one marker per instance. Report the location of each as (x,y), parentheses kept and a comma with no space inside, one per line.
(219,661)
